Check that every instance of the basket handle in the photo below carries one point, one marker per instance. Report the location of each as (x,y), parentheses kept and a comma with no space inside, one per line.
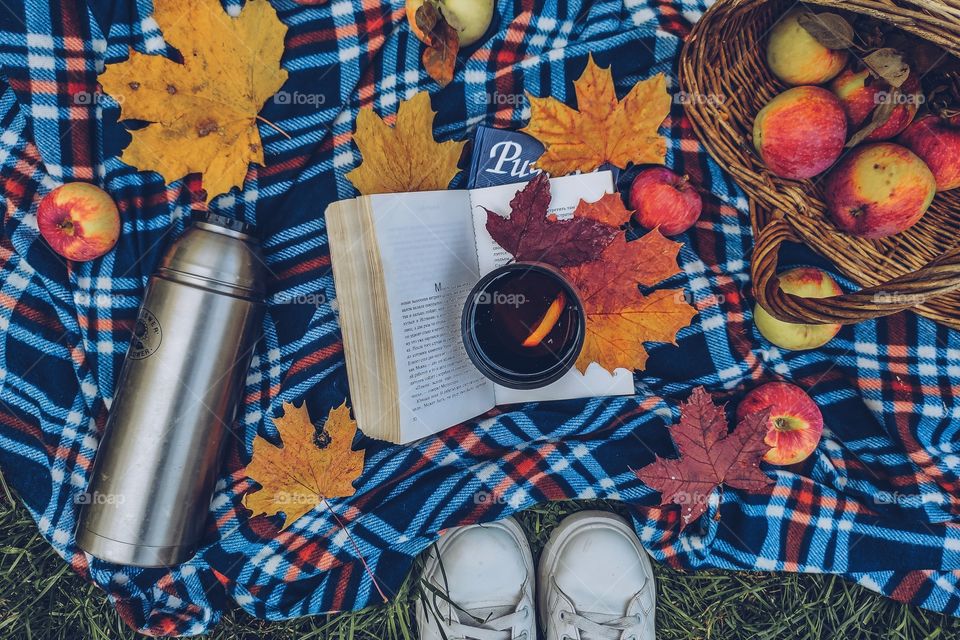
(939,277)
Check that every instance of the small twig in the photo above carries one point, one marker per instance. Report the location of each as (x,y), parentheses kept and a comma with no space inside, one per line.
(267,122)
(356,547)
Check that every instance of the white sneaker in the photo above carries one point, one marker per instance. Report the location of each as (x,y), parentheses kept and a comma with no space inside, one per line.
(595,581)
(478,585)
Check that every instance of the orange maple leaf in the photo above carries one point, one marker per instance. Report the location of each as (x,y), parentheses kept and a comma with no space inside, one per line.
(605,129)
(609,210)
(619,318)
(302,473)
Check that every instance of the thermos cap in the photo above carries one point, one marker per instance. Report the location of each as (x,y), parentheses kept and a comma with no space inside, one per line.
(217,253)
(224,221)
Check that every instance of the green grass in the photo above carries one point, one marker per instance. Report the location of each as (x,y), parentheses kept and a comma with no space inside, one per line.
(41,598)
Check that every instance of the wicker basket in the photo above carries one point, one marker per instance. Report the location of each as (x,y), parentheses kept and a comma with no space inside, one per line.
(920,268)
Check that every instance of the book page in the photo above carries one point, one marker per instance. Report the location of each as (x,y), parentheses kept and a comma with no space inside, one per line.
(430,265)
(566,194)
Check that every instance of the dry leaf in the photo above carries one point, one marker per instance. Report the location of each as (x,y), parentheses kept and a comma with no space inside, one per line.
(443,43)
(529,234)
(619,318)
(406,157)
(881,114)
(308,468)
(709,457)
(609,210)
(888,64)
(829,29)
(604,130)
(204,111)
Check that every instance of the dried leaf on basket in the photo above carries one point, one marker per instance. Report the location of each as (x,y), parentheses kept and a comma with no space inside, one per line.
(888,64)
(405,157)
(310,466)
(709,457)
(829,29)
(442,40)
(203,112)
(602,129)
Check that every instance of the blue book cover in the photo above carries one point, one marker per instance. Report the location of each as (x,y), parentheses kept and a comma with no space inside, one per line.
(501,156)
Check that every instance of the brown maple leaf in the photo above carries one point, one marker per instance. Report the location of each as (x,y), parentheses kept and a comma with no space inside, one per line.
(307,469)
(604,129)
(619,318)
(709,456)
(443,43)
(529,234)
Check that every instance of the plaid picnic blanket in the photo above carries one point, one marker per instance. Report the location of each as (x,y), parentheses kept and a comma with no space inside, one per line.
(877,503)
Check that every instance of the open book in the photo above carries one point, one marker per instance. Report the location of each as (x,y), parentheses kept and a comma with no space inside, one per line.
(403,265)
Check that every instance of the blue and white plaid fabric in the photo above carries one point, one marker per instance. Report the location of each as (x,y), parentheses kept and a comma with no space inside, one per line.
(878,502)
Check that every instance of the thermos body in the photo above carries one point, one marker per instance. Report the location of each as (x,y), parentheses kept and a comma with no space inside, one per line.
(177,396)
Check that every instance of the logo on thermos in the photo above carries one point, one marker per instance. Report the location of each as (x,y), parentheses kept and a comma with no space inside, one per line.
(146,336)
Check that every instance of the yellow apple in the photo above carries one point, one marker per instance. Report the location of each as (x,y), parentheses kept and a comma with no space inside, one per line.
(470,18)
(805,282)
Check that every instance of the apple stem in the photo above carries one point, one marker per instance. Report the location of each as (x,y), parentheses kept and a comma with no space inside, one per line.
(66,226)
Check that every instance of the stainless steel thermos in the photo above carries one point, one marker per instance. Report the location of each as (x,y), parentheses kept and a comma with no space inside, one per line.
(177,395)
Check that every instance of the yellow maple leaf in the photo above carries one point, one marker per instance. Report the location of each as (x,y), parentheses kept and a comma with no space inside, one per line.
(300,475)
(619,318)
(405,157)
(604,130)
(203,112)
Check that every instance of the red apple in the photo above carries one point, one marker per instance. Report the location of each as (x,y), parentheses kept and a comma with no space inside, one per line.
(861,93)
(797,58)
(801,132)
(879,190)
(937,142)
(795,423)
(663,199)
(79,220)
(805,282)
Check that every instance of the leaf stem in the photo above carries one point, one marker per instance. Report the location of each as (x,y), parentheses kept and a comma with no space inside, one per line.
(272,125)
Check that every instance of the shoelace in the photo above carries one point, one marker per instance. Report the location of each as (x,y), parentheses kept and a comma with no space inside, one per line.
(611,629)
(494,629)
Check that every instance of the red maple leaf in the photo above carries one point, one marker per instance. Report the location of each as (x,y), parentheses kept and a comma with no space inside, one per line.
(529,234)
(709,457)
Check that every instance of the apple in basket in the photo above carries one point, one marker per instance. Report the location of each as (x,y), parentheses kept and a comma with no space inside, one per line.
(805,282)
(470,18)
(861,94)
(801,132)
(79,221)
(879,190)
(663,199)
(797,58)
(795,423)
(937,141)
